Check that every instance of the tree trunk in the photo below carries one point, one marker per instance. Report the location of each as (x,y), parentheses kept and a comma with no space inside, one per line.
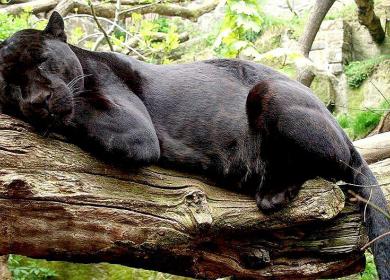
(317,15)
(383,126)
(368,18)
(57,202)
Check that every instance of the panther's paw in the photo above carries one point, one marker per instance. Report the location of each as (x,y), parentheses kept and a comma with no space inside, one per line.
(275,201)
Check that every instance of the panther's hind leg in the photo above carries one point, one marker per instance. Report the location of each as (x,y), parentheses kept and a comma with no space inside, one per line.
(300,140)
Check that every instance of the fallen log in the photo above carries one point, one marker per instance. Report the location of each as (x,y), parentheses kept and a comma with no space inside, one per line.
(59,203)
(381,170)
(374,148)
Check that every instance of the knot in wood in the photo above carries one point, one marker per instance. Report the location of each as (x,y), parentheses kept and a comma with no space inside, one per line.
(17,188)
(195,198)
(255,258)
(197,203)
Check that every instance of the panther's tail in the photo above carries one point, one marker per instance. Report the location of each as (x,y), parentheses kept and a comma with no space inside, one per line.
(377,223)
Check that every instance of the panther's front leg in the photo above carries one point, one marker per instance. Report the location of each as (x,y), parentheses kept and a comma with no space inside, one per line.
(121,134)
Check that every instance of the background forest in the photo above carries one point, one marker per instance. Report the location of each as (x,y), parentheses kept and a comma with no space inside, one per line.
(347,65)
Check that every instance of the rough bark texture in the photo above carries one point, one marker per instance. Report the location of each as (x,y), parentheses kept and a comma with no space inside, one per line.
(367,17)
(57,202)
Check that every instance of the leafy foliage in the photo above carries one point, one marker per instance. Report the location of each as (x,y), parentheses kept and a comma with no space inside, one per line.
(241,25)
(370,272)
(358,71)
(9,24)
(360,124)
(22,269)
(74,271)
(156,51)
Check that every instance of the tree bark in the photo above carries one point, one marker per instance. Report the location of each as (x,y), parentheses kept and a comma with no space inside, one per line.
(58,202)
(368,18)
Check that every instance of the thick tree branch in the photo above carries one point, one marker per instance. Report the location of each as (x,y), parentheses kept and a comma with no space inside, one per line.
(37,6)
(317,15)
(108,10)
(57,202)
(368,18)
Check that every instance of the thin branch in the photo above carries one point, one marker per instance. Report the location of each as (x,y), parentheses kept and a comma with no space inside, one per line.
(381,93)
(106,20)
(99,25)
(139,7)
(291,8)
(112,27)
(87,37)
(362,186)
(374,240)
(361,199)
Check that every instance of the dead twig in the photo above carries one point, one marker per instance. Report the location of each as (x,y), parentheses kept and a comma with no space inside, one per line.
(361,199)
(374,240)
(113,26)
(99,25)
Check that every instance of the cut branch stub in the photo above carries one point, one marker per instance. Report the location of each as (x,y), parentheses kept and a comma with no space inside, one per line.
(58,202)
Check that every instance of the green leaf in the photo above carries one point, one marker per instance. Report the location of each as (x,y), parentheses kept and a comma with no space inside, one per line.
(238,45)
(243,7)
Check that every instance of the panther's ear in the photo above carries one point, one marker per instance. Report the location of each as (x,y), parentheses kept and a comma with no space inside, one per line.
(55,27)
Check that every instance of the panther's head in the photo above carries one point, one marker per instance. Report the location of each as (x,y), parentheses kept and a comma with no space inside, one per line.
(39,74)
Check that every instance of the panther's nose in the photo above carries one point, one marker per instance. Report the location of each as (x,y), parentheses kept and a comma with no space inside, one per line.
(41,101)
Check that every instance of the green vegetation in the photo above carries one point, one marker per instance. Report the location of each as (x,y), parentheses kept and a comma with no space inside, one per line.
(10,24)
(361,122)
(370,271)
(27,269)
(358,71)
(23,268)
(241,25)
(348,12)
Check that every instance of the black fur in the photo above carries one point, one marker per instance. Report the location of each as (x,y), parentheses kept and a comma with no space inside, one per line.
(232,119)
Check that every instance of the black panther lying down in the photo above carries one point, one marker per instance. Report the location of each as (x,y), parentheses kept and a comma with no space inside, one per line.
(234,119)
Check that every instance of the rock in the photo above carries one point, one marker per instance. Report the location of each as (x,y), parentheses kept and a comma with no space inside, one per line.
(332,46)
(376,86)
